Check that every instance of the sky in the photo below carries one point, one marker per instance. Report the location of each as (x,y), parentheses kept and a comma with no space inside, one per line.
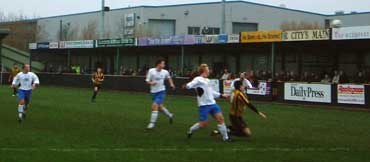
(45,8)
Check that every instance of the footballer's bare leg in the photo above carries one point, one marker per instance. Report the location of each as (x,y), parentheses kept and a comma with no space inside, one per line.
(221,126)
(166,112)
(247,132)
(154,116)
(197,126)
(96,89)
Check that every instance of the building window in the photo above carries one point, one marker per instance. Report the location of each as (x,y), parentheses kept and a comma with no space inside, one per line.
(210,30)
(193,30)
(244,27)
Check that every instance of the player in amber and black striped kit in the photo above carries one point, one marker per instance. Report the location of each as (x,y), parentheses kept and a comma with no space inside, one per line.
(13,73)
(238,103)
(97,79)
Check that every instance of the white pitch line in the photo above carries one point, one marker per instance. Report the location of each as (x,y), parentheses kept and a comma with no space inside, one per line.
(248,149)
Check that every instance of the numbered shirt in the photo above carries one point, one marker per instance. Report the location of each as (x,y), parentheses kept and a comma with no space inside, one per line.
(158,77)
(205,93)
(26,80)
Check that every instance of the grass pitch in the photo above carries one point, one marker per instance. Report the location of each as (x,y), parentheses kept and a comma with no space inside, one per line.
(62,125)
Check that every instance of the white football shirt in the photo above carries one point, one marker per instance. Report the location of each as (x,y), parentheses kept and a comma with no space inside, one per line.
(209,94)
(26,80)
(158,77)
(246,83)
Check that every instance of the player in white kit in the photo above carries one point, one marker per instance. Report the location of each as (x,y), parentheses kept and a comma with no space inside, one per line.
(206,102)
(155,78)
(28,81)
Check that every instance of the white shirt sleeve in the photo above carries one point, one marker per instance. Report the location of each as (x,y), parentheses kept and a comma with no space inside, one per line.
(168,76)
(35,79)
(193,84)
(148,76)
(16,80)
(215,94)
(249,84)
(232,84)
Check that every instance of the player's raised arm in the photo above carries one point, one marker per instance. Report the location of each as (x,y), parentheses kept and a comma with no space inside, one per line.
(193,84)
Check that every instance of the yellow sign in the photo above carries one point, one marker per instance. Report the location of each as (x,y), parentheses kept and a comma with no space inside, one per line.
(261,36)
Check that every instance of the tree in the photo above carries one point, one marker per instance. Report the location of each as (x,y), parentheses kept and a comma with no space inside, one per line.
(90,31)
(68,32)
(142,30)
(40,35)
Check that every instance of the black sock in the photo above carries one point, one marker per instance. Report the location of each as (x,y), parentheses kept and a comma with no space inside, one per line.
(14,91)
(94,95)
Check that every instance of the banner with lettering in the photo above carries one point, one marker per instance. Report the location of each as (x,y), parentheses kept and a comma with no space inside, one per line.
(307,92)
(261,36)
(306,35)
(358,32)
(351,94)
(77,44)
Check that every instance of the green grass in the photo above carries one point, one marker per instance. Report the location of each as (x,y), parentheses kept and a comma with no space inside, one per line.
(62,125)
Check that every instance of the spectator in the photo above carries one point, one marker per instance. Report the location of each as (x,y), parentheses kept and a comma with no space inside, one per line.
(305,77)
(277,77)
(51,68)
(232,77)
(264,76)
(122,70)
(130,71)
(225,75)
(269,75)
(60,69)
(343,77)
(314,78)
(326,79)
(360,78)
(282,76)
(336,77)
(292,77)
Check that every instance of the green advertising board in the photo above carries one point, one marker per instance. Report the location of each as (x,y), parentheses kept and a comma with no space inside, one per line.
(115,42)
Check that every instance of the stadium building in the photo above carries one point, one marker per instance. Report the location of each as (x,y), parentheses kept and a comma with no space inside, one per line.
(196,19)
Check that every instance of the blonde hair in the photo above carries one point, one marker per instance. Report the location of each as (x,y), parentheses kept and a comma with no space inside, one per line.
(202,68)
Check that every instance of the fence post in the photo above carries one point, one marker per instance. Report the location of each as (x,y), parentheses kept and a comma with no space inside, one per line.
(182,59)
(272,60)
(69,58)
(117,67)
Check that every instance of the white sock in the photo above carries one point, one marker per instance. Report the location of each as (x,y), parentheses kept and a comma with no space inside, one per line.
(166,112)
(20,110)
(223,130)
(154,117)
(194,128)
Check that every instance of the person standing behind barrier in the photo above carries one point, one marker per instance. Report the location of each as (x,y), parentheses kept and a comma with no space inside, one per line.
(336,77)
(15,70)
(225,75)
(326,79)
